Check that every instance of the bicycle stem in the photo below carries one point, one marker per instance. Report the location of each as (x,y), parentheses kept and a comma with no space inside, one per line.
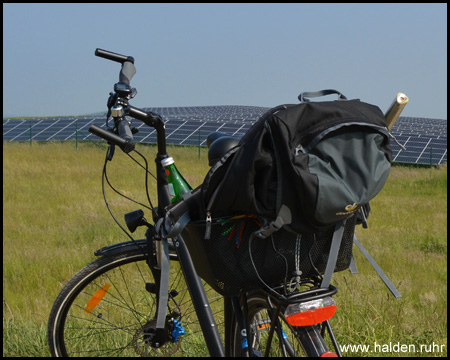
(157,123)
(153,121)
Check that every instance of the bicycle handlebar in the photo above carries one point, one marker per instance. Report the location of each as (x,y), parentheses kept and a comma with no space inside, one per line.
(113,56)
(119,108)
(125,144)
(128,70)
(125,139)
(124,130)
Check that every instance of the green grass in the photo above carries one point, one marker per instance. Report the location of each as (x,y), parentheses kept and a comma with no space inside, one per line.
(54,218)
(407,237)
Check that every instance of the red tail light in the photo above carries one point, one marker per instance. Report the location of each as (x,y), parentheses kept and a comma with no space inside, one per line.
(310,312)
(329,354)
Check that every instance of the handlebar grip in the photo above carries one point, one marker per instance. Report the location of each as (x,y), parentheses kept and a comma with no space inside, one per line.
(113,56)
(124,130)
(112,138)
(127,72)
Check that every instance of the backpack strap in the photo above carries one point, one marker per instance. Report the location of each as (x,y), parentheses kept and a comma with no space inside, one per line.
(284,217)
(309,94)
(180,214)
(173,231)
(334,252)
(278,167)
(164,282)
(178,227)
(353,268)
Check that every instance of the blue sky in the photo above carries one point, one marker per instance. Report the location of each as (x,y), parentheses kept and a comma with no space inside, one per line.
(223,54)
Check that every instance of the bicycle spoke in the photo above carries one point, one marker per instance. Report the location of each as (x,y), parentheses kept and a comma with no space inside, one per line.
(120,321)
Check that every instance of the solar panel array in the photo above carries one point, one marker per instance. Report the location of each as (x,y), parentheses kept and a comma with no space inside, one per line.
(425,140)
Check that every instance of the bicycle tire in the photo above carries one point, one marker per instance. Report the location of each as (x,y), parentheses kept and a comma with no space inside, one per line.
(122,321)
(286,341)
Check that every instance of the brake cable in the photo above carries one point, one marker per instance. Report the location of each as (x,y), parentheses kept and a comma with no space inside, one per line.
(104,175)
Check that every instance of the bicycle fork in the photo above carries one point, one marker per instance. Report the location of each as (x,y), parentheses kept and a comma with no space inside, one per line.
(198,295)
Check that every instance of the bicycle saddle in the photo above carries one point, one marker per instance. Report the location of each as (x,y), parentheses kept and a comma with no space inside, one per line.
(219,143)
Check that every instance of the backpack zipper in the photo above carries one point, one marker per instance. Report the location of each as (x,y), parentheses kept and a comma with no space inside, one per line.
(208,213)
(382,129)
(208,226)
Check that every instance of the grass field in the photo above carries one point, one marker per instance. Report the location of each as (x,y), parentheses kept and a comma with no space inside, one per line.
(54,218)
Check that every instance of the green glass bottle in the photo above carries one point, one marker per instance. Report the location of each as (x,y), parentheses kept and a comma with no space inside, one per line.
(178,186)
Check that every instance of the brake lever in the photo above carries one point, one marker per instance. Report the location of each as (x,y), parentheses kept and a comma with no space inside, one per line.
(110,103)
(111,100)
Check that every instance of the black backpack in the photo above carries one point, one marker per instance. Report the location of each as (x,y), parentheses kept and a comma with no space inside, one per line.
(304,166)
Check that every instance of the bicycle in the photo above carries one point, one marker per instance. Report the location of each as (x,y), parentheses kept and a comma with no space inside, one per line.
(122,304)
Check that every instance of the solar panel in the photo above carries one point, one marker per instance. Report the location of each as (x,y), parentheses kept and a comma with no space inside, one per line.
(425,139)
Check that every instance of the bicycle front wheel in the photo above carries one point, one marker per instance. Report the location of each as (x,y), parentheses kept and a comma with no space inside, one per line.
(108,309)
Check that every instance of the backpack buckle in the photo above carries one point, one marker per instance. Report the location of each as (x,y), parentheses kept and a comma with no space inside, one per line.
(284,218)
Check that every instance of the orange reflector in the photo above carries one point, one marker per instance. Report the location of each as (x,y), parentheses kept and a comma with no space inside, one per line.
(310,312)
(96,298)
(263,326)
